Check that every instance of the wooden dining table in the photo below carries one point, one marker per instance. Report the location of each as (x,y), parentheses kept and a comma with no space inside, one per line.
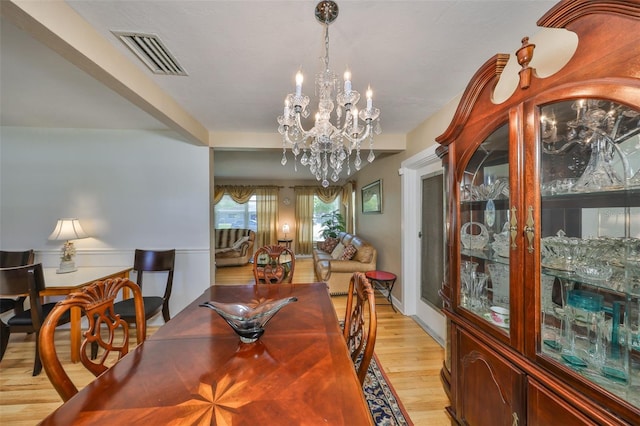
(194,370)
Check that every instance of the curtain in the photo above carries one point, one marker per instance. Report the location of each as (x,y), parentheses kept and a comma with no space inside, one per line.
(218,193)
(304,219)
(347,207)
(266,208)
(267,211)
(327,195)
(240,194)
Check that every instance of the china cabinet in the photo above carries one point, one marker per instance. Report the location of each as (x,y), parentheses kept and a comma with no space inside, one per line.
(543,292)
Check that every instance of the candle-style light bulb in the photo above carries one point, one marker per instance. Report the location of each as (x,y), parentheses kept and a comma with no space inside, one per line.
(369,98)
(299,80)
(347,82)
(286,107)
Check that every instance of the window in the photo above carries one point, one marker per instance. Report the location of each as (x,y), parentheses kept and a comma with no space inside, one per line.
(320,208)
(229,214)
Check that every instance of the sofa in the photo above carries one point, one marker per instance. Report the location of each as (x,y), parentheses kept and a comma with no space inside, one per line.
(335,262)
(234,247)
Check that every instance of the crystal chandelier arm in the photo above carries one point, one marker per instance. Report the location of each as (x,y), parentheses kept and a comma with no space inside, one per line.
(357,139)
(306,134)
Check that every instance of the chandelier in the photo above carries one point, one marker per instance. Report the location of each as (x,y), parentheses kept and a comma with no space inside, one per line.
(328,145)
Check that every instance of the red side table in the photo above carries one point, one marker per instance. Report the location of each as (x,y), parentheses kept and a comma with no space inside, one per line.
(383,280)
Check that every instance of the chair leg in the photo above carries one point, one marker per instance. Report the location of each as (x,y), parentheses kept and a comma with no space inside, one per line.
(37,363)
(5,331)
(165,312)
(94,350)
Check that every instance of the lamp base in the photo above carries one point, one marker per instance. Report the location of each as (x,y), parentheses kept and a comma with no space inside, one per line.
(66,266)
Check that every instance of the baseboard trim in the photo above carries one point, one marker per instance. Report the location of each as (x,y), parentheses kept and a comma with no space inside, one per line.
(428,330)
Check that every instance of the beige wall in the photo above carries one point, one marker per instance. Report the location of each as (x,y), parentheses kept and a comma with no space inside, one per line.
(384,230)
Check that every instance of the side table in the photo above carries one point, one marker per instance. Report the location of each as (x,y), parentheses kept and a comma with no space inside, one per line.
(286,243)
(383,280)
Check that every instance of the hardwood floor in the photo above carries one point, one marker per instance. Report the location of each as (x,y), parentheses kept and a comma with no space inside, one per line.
(410,357)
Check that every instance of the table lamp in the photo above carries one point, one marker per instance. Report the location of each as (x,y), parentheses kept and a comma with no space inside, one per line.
(67,230)
(285,229)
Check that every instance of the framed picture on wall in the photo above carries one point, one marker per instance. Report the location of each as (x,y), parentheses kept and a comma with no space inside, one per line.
(372,197)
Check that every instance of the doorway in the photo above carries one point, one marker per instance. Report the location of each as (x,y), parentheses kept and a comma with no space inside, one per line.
(422,305)
(432,249)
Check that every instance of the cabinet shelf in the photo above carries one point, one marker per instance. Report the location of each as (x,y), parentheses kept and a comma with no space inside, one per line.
(500,204)
(617,198)
(486,254)
(616,283)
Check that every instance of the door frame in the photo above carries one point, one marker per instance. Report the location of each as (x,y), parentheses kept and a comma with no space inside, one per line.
(411,172)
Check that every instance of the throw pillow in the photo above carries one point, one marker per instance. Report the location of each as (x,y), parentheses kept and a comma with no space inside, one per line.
(330,244)
(238,244)
(337,252)
(349,252)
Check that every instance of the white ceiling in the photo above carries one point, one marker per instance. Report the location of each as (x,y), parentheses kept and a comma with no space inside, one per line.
(241,58)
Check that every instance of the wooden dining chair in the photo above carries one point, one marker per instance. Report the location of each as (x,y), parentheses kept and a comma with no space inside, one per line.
(360,339)
(10,259)
(105,329)
(25,280)
(150,261)
(273,264)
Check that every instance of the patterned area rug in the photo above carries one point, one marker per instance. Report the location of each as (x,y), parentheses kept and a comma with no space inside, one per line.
(384,404)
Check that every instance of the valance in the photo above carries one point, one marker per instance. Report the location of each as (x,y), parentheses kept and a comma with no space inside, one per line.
(239,193)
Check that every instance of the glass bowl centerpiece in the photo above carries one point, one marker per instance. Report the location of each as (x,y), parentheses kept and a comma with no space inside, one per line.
(249,320)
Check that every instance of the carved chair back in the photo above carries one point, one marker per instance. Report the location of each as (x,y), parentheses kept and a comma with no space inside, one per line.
(360,326)
(273,264)
(105,330)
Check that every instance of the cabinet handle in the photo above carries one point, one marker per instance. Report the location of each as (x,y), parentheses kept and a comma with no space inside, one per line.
(513,227)
(529,229)
(516,420)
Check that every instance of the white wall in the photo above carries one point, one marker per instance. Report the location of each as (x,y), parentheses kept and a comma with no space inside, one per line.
(129,189)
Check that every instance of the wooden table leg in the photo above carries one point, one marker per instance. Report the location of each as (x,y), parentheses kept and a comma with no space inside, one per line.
(76,316)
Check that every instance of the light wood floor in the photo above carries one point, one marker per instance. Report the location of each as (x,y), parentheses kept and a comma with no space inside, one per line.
(410,357)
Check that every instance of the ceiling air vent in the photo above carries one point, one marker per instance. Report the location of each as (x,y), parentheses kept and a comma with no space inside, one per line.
(152,52)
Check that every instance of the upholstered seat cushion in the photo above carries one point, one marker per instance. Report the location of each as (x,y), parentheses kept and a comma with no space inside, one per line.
(24,318)
(126,308)
(7,305)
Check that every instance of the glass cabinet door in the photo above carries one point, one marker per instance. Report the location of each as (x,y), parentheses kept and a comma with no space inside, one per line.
(484,231)
(590,241)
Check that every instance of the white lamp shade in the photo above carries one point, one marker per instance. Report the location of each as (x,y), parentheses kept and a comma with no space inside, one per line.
(285,228)
(68,229)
